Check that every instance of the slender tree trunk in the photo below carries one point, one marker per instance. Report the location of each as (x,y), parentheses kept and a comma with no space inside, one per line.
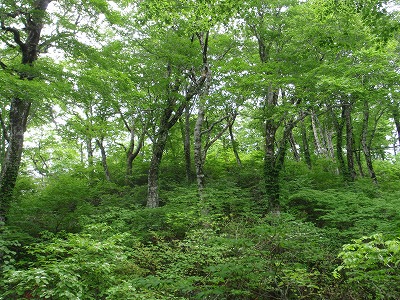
(357,155)
(271,172)
(296,154)
(396,118)
(132,153)
(365,145)
(339,144)
(4,139)
(129,155)
(234,144)
(170,116)
(198,152)
(89,150)
(318,146)
(329,143)
(347,107)
(186,145)
(104,163)
(305,145)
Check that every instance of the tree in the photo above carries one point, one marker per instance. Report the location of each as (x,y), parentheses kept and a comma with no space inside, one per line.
(184,39)
(21,28)
(276,100)
(32,80)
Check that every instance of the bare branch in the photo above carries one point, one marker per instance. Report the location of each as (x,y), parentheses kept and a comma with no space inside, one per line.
(214,123)
(15,32)
(124,120)
(218,136)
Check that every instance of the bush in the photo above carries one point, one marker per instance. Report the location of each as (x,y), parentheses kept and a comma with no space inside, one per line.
(77,266)
(370,267)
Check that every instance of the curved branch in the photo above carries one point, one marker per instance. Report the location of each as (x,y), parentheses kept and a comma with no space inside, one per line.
(16,34)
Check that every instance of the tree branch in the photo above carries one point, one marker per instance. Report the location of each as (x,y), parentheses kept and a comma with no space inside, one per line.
(218,136)
(16,34)
(213,124)
(3,65)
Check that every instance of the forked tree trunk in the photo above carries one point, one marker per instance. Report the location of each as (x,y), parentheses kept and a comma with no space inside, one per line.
(131,153)
(357,155)
(169,118)
(104,163)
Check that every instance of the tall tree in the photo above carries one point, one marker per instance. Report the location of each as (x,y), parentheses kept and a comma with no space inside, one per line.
(183,33)
(30,80)
(266,23)
(21,28)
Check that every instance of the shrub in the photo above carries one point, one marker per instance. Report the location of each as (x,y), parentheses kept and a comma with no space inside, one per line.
(370,266)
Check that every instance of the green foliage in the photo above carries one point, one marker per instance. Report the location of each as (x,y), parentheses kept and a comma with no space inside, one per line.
(55,207)
(354,212)
(75,266)
(72,235)
(8,245)
(370,267)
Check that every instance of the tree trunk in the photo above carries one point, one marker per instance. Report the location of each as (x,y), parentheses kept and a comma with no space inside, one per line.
(357,155)
(365,145)
(19,108)
(271,173)
(99,143)
(305,145)
(273,166)
(4,139)
(89,150)
(318,146)
(19,112)
(234,144)
(158,150)
(396,118)
(198,152)
(329,143)
(132,153)
(339,144)
(296,154)
(186,146)
(170,116)
(349,141)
